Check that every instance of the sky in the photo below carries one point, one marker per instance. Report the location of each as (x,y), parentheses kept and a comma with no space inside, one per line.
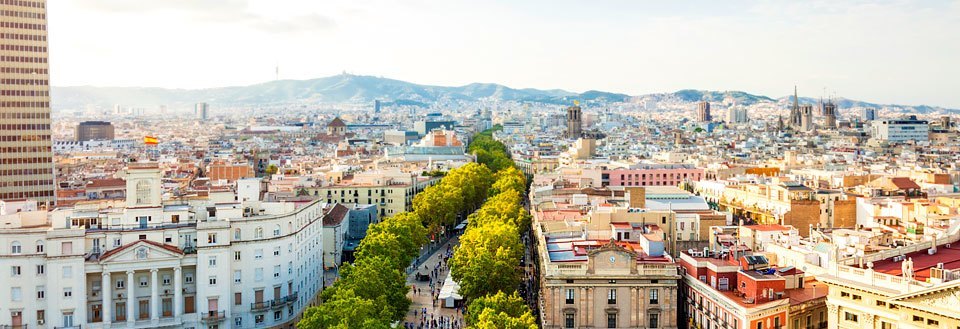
(891,52)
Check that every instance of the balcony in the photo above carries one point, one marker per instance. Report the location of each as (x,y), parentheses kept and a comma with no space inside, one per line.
(260,306)
(214,316)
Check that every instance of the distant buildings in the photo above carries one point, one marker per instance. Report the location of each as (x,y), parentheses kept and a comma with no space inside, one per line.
(423,127)
(94,131)
(869,114)
(201,111)
(901,130)
(736,115)
(829,115)
(703,112)
(27,167)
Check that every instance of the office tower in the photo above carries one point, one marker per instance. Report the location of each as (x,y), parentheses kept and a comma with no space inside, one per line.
(94,131)
(869,114)
(574,121)
(737,114)
(202,111)
(829,110)
(376,106)
(703,112)
(27,159)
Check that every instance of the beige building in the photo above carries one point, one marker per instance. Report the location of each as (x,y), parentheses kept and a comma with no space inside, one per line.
(391,191)
(26,158)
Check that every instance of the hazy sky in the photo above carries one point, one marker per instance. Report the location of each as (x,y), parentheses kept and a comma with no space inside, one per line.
(905,52)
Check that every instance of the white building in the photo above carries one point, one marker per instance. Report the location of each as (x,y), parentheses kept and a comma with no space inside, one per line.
(737,114)
(200,262)
(901,130)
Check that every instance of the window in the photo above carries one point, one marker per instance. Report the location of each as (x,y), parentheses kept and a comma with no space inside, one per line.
(568,320)
(166,279)
(67,272)
(16,248)
(236,276)
(39,246)
(41,292)
(41,269)
(844,294)
(852,317)
(277,315)
(654,296)
(881,303)
(236,255)
(257,253)
(258,233)
(932,322)
(213,261)
(276,251)
(258,319)
(66,248)
(211,238)
(236,234)
(213,280)
(569,296)
(612,296)
(886,325)
(116,242)
(238,321)
(237,298)
(68,319)
(188,278)
(143,281)
(14,270)
(15,294)
(67,292)
(276,230)
(654,320)
(857,297)
(276,271)
(120,284)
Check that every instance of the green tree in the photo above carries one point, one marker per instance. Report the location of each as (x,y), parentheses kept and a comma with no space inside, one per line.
(504,207)
(346,310)
(490,248)
(509,179)
(397,238)
(438,206)
(272,169)
(474,180)
(510,305)
(492,320)
(376,279)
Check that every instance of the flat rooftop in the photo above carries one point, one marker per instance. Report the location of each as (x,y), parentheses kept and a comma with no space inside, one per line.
(922,262)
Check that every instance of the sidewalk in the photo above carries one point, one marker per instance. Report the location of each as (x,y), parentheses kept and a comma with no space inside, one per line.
(425,299)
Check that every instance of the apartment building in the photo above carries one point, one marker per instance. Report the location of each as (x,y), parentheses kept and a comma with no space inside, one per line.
(391,191)
(146,262)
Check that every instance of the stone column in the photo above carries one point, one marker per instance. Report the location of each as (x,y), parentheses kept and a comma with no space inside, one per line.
(177,293)
(131,300)
(154,295)
(633,307)
(105,289)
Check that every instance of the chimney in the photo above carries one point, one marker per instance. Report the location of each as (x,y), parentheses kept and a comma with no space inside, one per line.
(638,196)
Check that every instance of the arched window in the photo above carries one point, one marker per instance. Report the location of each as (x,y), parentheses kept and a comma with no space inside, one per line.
(39,246)
(236,233)
(15,248)
(276,230)
(143,192)
(258,233)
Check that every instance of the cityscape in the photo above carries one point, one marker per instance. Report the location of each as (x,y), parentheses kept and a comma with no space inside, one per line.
(134,196)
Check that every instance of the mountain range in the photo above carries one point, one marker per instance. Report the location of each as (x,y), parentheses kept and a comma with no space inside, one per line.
(348,88)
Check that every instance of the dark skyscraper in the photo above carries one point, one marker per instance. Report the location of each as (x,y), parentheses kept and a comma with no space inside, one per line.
(27,159)
(376,106)
(703,112)
(574,121)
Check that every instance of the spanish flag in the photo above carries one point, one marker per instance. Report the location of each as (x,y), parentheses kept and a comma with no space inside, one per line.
(149,140)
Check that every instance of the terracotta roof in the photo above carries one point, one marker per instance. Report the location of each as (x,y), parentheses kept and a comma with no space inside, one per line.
(337,122)
(336,215)
(131,244)
(767,227)
(904,183)
(108,182)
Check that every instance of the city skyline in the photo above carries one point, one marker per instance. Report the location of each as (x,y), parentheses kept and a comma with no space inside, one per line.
(566,45)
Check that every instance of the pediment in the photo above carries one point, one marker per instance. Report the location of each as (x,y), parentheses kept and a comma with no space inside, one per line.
(141,251)
(944,299)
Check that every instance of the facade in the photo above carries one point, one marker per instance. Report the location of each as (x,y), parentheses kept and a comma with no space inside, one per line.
(201,111)
(829,115)
(703,112)
(210,262)
(27,162)
(94,131)
(869,114)
(574,122)
(391,195)
(737,114)
(806,117)
(652,175)
(901,130)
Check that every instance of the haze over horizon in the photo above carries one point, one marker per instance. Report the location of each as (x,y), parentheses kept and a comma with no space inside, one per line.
(898,52)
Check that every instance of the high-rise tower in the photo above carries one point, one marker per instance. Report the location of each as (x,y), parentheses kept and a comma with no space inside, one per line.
(703,112)
(574,121)
(26,158)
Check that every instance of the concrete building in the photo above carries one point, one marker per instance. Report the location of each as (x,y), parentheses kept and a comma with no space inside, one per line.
(737,114)
(392,191)
(94,131)
(201,111)
(220,261)
(703,112)
(27,164)
(400,137)
(869,114)
(425,126)
(651,175)
(901,130)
